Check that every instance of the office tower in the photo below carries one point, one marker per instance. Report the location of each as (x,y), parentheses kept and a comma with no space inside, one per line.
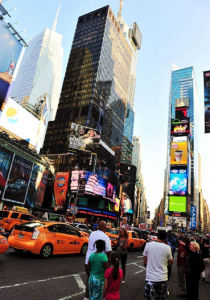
(40,71)
(182,168)
(136,159)
(96,89)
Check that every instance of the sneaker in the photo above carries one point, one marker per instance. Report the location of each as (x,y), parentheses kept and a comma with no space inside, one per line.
(85,298)
(123,282)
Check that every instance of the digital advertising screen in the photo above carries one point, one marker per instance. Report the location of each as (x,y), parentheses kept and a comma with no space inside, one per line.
(179,153)
(83,138)
(180,102)
(177,203)
(178,182)
(5,162)
(60,189)
(206,75)
(180,127)
(34,182)
(41,187)
(181,113)
(19,121)
(10,50)
(18,181)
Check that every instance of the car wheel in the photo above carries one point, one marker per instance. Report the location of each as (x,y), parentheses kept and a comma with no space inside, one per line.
(46,251)
(18,251)
(84,249)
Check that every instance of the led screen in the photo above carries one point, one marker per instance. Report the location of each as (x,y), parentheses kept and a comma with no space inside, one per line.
(179,153)
(207,100)
(180,127)
(181,113)
(177,203)
(178,182)
(5,162)
(10,50)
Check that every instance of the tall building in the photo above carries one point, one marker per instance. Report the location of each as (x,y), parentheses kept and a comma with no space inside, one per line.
(182,162)
(136,159)
(40,71)
(97,85)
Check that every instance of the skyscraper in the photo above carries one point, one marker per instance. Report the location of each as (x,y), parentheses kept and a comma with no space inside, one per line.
(96,89)
(182,169)
(40,71)
(136,159)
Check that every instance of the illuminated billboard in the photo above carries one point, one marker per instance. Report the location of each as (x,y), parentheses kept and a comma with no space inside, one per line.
(177,203)
(60,189)
(83,138)
(180,127)
(181,113)
(178,182)
(179,153)
(206,75)
(5,162)
(20,122)
(10,50)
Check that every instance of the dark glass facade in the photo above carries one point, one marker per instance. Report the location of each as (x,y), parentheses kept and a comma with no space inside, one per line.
(95,88)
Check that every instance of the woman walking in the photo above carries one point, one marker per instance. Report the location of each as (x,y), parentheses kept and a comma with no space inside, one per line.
(122,248)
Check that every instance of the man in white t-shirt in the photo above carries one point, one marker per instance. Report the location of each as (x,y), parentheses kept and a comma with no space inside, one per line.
(94,236)
(157,258)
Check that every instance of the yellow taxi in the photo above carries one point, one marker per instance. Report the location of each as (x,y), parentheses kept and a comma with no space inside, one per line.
(113,235)
(134,241)
(48,238)
(3,244)
(10,218)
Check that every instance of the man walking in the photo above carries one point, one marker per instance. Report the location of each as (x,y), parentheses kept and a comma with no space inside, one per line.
(157,258)
(94,236)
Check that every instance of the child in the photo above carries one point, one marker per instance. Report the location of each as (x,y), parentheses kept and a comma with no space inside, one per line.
(97,264)
(113,278)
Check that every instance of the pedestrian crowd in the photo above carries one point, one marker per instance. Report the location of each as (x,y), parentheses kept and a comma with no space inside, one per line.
(104,275)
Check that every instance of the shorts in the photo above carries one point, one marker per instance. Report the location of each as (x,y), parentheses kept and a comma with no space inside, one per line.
(155,290)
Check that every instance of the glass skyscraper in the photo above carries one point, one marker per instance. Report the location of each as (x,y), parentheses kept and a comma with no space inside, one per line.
(99,81)
(182,110)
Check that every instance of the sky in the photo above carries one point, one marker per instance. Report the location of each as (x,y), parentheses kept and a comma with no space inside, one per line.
(173,32)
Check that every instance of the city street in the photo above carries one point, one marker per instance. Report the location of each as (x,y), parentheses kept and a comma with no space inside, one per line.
(25,276)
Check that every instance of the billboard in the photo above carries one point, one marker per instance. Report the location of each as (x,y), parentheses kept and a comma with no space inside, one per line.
(5,162)
(182,102)
(181,113)
(180,127)
(206,75)
(41,183)
(193,217)
(179,139)
(18,181)
(177,203)
(179,153)
(83,138)
(9,54)
(19,121)
(60,189)
(178,182)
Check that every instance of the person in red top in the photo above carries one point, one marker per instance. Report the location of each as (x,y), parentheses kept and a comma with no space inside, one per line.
(113,278)
(181,264)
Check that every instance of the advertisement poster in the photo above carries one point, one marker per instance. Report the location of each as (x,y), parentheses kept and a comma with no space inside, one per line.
(19,121)
(180,127)
(17,184)
(182,102)
(9,55)
(178,182)
(206,75)
(117,205)
(83,138)
(181,113)
(34,184)
(177,204)
(60,189)
(179,153)
(193,217)
(5,162)
(42,182)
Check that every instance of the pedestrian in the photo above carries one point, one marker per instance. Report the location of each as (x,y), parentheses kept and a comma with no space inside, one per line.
(113,278)
(195,266)
(171,241)
(157,257)
(94,236)
(182,263)
(205,256)
(122,247)
(97,264)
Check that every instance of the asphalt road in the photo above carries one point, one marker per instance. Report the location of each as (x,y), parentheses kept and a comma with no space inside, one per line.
(28,277)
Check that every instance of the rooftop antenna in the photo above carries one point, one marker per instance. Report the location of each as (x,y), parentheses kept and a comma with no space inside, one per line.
(56,18)
(120,10)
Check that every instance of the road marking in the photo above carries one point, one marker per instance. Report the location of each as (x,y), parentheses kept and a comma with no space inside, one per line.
(79,282)
(39,281)
(73,295)
(140,256)
(139,271)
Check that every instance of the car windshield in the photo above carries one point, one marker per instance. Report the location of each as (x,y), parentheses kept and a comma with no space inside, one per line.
(4,214)
(33,224)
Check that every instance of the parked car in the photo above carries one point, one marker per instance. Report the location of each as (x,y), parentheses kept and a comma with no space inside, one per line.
(3,244)
(113,235)
(82,227)
(134,242)
(10,218)
(48,238)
